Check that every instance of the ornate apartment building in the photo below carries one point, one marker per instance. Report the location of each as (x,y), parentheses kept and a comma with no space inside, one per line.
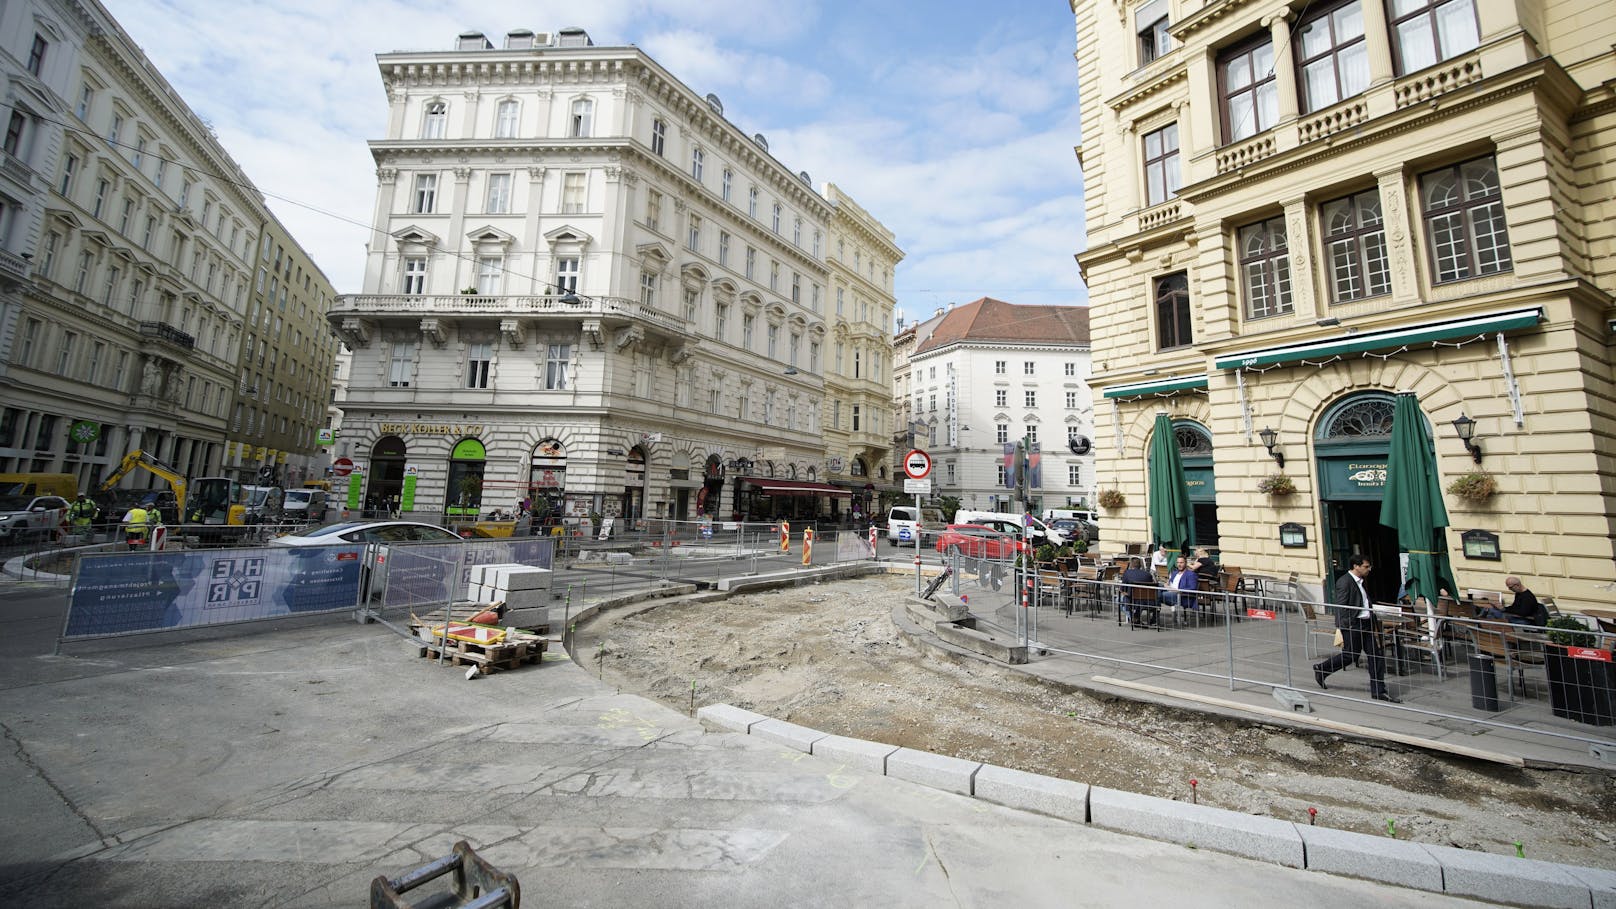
(594,291)
(1296,210)
(130,244)
(990,375)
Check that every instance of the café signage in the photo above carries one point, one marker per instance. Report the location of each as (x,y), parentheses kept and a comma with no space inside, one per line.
(432,429)
(1361,478)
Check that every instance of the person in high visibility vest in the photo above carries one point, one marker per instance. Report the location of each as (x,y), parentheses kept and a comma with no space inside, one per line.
(135,522)
(82,514)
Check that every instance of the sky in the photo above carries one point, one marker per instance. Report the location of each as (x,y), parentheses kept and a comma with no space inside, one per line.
(952,122)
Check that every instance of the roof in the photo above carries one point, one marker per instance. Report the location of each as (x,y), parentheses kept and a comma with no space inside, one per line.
(988,319)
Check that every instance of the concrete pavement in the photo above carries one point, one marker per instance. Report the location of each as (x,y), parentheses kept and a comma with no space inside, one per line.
(287,767)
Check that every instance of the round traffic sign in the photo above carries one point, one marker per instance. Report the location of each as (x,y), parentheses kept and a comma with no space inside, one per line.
(917,464)
(342,466)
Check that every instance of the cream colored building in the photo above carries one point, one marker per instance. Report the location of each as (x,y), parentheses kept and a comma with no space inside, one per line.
(1296,210)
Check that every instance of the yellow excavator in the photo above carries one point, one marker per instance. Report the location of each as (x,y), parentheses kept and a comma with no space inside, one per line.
(208,500)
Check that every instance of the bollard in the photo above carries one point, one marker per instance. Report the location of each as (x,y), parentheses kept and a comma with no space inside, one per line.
(785,536)
(808,546)
(873,553)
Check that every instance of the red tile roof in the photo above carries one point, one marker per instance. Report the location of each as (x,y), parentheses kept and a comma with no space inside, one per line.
(988,319)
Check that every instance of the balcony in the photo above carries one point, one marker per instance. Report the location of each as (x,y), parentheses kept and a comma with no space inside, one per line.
(162,331)
(14,268)
(608,309)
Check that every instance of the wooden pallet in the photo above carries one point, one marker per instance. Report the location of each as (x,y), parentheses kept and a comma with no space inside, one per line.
(511,653)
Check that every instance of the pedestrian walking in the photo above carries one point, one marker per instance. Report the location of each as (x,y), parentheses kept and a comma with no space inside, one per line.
(1355,618)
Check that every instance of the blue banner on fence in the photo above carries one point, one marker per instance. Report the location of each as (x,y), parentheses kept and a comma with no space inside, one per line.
(149,591)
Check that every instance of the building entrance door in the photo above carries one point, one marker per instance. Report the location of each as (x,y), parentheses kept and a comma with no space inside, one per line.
(1355,527)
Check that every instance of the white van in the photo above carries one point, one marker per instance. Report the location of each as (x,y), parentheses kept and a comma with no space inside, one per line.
(1055,514)
(306,506)
(905,523)
(1012,523)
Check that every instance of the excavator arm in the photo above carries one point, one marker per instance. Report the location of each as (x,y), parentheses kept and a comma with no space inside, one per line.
(140,459)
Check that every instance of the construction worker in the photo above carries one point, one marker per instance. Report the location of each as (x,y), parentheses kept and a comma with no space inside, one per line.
(82,514)
(135,524)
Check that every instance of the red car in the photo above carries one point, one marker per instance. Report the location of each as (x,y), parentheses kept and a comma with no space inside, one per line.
(976,541)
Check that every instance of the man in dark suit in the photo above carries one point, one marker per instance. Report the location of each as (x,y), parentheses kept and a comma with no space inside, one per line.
(1356,619)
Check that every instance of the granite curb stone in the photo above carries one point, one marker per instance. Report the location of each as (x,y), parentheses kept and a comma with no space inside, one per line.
(939,771)
(1200,826)
(800,738)
(1030,792)
(730,719)
(855,753)
(1375,858)
(1506,879)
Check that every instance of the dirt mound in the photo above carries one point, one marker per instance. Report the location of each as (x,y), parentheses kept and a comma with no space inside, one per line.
(829,657)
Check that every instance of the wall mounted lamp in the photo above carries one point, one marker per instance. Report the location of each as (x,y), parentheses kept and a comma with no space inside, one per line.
(1270,441)
(1466,428)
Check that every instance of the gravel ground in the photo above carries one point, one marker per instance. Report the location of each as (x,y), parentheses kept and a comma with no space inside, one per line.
(829,657)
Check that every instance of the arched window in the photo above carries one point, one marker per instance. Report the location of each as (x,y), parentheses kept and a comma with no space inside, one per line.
(505,120)
(1363,417)
(436,124)
(1192,438)
(583,116)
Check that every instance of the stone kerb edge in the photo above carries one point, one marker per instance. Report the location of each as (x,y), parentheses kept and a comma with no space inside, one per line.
(800,738)
(1201,826)
(730,719)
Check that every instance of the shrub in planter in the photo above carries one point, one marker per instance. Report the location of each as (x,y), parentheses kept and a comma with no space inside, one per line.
(1568,632)
(1112,499)
(1581,688)
(1276,485)
(1475,486)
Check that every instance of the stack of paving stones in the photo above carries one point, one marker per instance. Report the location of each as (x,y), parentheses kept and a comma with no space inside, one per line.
(523,589)
(1443,869)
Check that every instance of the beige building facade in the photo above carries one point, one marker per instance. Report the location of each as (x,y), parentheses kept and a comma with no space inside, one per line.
(1296,211)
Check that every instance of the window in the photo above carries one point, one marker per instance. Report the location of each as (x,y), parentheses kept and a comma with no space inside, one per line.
(47,259)
(1265,268)
(659,136)
(139,156)
(490,273)
(720,319)
(573,193)
(557,358)
(819,239)
(723,247)
(697,159)
(566,277)
(505,120)
(426,194)
(1028,368)
(1150,23)
(1426,32)
(1002,432)
(840,294)
(813,356)
(1000,367)
(70,167)
(478,359)
(694,240)
(692,300)
(776,220)
(1071,369)
(162,169)
(743,404)
(401,365)
(796,288)
(1332,58)
(858,362)
(64,352)
(712,400)
(414,275)
(773,342)
(436,122)
(499,194)
(1173,311)
(857,414)
(36,54)
(583,115)
(751,202)
(92,372)
(14,133)
(747,321)
(1071,400)
(101,187)
(1031,434)
(1161,164)
(1249,91)
(774,275)
(648,288)
(793,348)
(86,98)
(1464,220)
(86,261)
(729,179)
(796,231)
(1032,398)
(751,261)
(653,208)
(1074,475)
(1001,398)
(1355,237)
(115,129)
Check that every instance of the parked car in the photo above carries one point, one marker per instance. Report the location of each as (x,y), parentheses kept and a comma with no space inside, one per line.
(264,504)
(905,523)
(1077,529)
(376,535)
(30,517)
(976,541)
(305,506)
(1036,530)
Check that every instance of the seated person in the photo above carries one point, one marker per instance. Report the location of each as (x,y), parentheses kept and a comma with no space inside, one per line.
(1179,593)
(1158,556)
(1136,574)
(1204,566)
(1524,609)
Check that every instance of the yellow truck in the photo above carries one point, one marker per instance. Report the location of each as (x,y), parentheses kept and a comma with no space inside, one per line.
(39,484)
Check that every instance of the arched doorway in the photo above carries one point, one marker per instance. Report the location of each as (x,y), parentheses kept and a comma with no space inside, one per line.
(1195,449)
(464,494)
(634,489)
(547,480)
(1351,443)
(386,482)
(712,486)
(681,482)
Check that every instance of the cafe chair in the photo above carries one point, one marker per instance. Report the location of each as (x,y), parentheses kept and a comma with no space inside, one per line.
(1140,602)
(1315,625)
(1422,636)
(1499,642)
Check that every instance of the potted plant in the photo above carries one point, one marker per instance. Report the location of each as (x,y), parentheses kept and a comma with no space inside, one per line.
(1276,485)
(469,291)
(1112,499)
(1477,486)
(1582,680)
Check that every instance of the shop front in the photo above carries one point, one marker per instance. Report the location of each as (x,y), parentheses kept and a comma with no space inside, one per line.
(1351,445)
(769,499)
(385,486)
(547,481)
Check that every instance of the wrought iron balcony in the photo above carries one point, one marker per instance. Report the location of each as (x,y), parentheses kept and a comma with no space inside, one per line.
(162,331)
(501,305)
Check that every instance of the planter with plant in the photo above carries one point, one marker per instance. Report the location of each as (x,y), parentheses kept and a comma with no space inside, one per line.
(1276,485)
(1582,679)
(1477,486)
(1112,499)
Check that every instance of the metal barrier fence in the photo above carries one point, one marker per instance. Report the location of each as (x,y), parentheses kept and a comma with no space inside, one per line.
(1490,673)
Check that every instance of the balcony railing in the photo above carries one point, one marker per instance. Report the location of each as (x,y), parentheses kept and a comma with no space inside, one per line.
(1333,120)
(161,331)
(1438,80)
(494,306)
(14,266)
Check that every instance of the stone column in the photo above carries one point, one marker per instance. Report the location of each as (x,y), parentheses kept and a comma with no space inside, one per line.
(1285,76)
(1378,36)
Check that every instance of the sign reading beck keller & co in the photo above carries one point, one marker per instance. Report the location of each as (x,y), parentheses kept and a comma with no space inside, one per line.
(432,429)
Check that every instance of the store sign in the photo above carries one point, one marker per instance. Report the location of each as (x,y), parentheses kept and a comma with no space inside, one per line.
(1198,483)
(325,437)
(432,429)
(1362,478)
(835,465)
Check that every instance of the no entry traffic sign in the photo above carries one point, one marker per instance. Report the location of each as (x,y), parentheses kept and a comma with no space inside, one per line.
(917,464)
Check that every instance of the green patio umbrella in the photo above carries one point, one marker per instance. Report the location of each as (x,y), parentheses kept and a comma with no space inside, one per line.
(1170,513)
(1412,505)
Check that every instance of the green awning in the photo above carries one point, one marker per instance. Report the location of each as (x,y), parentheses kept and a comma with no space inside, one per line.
(1157,386)
(1347,344)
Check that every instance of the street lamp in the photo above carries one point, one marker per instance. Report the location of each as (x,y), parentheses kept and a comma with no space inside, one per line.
(1466,428)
